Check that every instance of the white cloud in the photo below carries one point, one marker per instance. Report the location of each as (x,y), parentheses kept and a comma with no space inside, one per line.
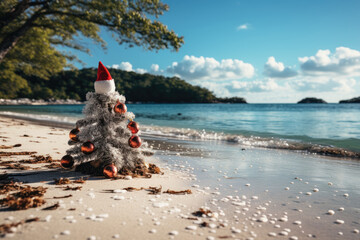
(275,69)
(201,68)
(344,61)
(154,68)
(243,27)
(126,66)
(324,85)
(253,86)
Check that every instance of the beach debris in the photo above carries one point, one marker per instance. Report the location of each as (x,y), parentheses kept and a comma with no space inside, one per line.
(183,192)
(52,207)
(66,196)
(154,190)
(27,197)
(80,180)
(10,186)
(52,165)
(202,212)
(130,189)
(62,181)
(7,154)
(38,159)
(8,147)
(67,188)
(16,166)
(12,227)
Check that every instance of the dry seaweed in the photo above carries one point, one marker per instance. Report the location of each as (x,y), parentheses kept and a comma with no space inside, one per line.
(130,189)
(71,209)
(204,224)
(62,181)
(17,166)
(80,180)
(6,154)
(187,191)
(10,186)
(5,163)
(27,197)
(67,196)
(53,165)
(8,147)
(68,188)
(8,227)
(52,207)
(201,212)
(154,169)
(154,190)
(38,159)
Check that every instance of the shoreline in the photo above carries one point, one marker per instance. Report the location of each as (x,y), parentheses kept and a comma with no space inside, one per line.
(292,146)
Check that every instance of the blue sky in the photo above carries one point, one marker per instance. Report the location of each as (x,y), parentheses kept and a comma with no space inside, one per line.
(265,51)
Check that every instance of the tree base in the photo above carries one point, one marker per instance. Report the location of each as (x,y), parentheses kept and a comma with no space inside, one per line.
(141,170)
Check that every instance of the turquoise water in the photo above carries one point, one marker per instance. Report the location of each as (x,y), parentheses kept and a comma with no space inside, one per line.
(327,124)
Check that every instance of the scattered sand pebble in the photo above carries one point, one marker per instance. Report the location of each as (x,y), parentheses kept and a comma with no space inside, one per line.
(283,233)
(341,209)
(346,195)
(65,232)
(340,233)
(160,204)
(297,222)
(315,190)
(191,227)
(210,238)
(117,197)
(293,238)
(272,234)
(91,238)
(356,231)
(116,236)
(330,183)
(152,231)
(308,193)
(287,188)
(277,226)
(174,233)
(128,177)
(119,191)
(247,185)
(338,221)
(331,212)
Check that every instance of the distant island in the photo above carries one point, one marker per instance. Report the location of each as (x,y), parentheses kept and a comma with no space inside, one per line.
(312,100)
(137,88)
(353,100)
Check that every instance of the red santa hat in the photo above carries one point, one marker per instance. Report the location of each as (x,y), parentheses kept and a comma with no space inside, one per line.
(104,82)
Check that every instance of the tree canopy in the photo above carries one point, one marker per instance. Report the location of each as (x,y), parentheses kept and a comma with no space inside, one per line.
(30,31)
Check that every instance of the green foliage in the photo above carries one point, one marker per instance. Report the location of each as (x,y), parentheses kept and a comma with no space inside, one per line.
(30,30)
(74,84)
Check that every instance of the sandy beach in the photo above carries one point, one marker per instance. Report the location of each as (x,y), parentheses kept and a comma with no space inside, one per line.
(255,200)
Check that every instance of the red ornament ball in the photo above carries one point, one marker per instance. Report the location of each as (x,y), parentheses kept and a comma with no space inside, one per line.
(67,161)
(133,127)
(120,108)
(87,147)
(73,134)
(110,171)
(135,141)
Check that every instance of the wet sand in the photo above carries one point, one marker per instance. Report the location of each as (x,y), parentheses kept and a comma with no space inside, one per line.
(253,193)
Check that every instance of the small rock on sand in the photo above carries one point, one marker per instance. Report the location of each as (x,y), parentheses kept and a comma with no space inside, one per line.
(174,233)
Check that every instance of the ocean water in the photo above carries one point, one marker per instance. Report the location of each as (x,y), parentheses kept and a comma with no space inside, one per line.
(264,125)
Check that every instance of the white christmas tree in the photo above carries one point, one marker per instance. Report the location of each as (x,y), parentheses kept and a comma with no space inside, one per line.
(106,140)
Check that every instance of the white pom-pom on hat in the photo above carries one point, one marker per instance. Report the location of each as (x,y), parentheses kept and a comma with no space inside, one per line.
(104,82)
